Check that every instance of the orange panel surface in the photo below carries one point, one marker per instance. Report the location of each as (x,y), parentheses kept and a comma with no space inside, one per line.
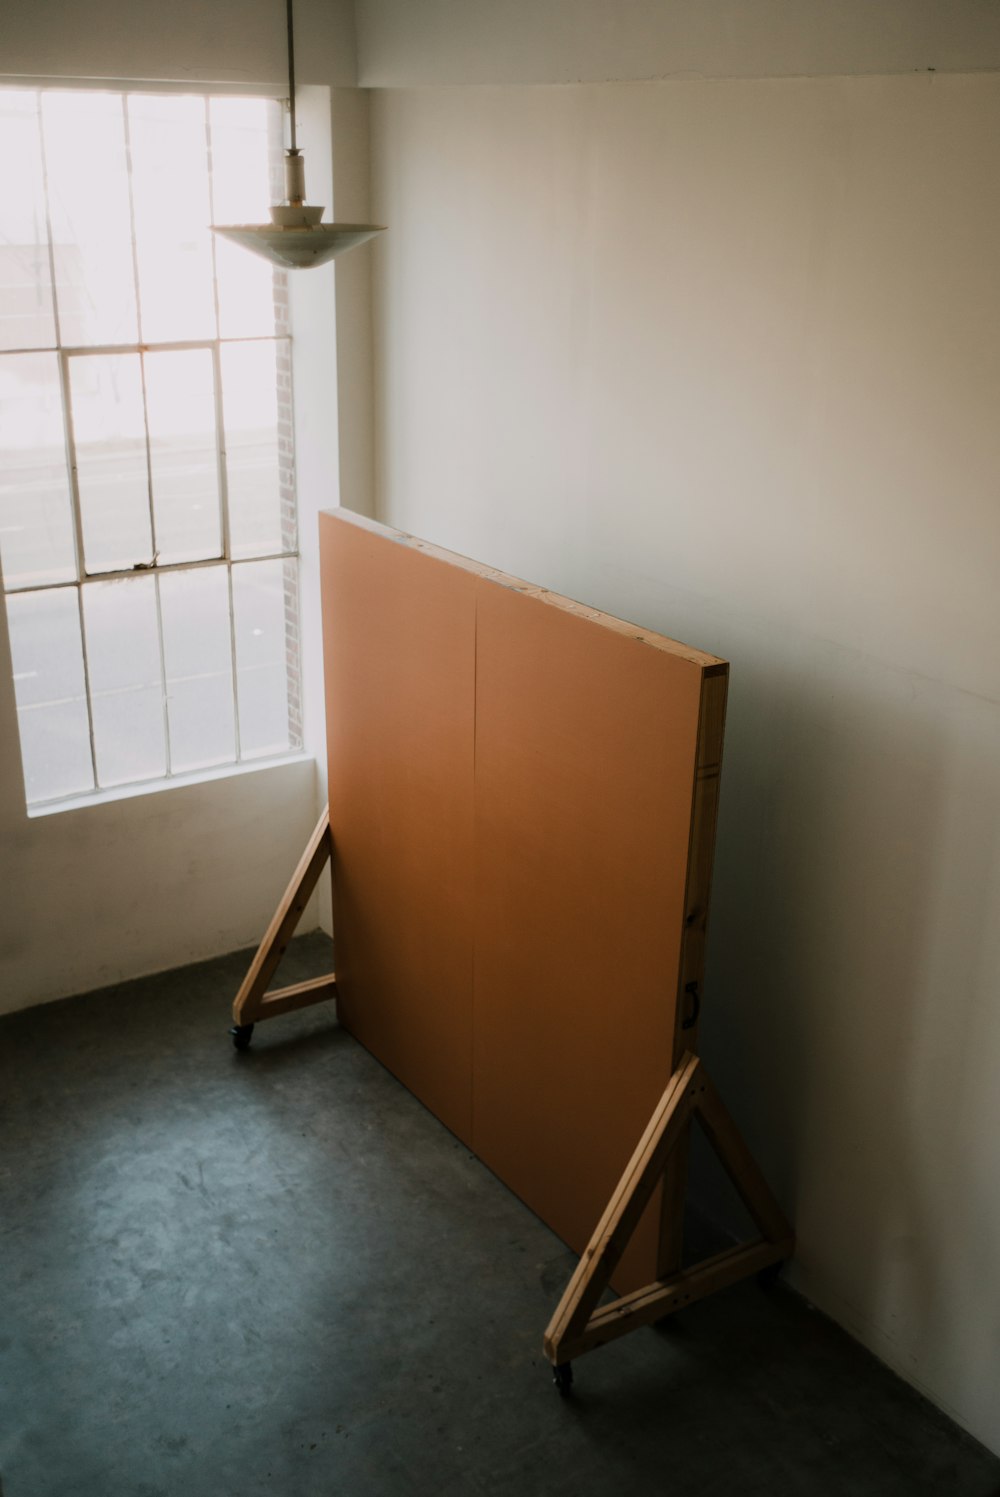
(585,753)
(399,650)
(512,797)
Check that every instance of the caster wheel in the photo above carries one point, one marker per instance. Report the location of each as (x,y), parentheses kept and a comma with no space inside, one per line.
(562,1376)
(241,1034)
(769,1276)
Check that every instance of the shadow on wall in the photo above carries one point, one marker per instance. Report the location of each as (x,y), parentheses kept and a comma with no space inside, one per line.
(853,963)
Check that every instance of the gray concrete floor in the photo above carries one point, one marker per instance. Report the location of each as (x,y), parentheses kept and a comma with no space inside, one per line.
(225,1276)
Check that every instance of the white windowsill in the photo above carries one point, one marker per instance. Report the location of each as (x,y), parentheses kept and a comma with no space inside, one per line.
(156,787)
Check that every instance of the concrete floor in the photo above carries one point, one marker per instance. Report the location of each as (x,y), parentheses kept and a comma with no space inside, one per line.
(225,1276)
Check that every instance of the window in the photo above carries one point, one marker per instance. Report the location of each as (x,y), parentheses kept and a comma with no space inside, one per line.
(147,507)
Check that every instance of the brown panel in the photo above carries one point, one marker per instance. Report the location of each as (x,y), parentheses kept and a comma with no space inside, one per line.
(585,762)
(399,643)
(522,798)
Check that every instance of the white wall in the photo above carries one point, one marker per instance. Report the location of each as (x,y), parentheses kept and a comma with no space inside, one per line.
(404,43)
(721,357)
(101,893)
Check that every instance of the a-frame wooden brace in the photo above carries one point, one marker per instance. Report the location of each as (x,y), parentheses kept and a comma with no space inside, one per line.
(253,1002)
(579,1325)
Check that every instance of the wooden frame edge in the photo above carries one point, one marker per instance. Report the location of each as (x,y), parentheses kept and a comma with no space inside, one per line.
(691,979)
(579,1324)
(253,1002)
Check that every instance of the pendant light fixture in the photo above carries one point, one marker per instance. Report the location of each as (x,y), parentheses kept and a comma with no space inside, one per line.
(295,237)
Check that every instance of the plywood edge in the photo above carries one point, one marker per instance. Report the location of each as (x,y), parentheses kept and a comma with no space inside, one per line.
(701,851)
(709,664)
(697,896)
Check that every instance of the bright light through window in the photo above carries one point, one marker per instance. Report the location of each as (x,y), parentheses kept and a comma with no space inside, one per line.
(147,505)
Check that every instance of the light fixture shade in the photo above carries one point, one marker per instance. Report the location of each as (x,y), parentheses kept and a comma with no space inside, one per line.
(298,245)
(295,237)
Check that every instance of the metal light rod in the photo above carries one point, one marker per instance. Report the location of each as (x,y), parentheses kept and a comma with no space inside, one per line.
(295,238)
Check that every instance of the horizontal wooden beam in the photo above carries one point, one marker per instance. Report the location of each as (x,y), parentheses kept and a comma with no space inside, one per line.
(298,995)
(663,1297)
(247,1006)
(642,1173)
(581,1323)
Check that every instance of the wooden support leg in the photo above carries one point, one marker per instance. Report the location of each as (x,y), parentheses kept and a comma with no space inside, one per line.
(579,1325)
(253,1002)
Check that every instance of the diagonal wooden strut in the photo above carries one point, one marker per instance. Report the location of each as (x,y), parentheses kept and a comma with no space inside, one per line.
(578,1325)
(253,1001)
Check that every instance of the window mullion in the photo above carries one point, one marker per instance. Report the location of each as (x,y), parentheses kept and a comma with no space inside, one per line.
(232,652)
(220,450)
(170,566)
(86,687)
(74,477)
(131,214)
(67,414)
(138,324)
(220,440)
(160,346)
(211,210)
(216,356)
(48,221)
(149,459)
(163,676)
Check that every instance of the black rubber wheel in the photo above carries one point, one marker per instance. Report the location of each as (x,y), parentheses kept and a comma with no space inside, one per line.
(242,1034)
(769,1276)
(562,1376)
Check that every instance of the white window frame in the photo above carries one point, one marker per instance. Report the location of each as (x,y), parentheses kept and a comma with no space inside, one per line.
(289,551)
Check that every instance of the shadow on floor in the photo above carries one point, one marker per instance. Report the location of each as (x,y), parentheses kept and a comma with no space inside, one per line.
(229,1275)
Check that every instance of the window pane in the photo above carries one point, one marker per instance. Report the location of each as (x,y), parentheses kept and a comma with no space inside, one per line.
(197,653)
(172,215)
(110,435)
(245,134)
(123,653)
(51,696)
(261,670)
(91,227)
(250,414)
(183,454)
(111,454)
(36,520)
(26,319)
